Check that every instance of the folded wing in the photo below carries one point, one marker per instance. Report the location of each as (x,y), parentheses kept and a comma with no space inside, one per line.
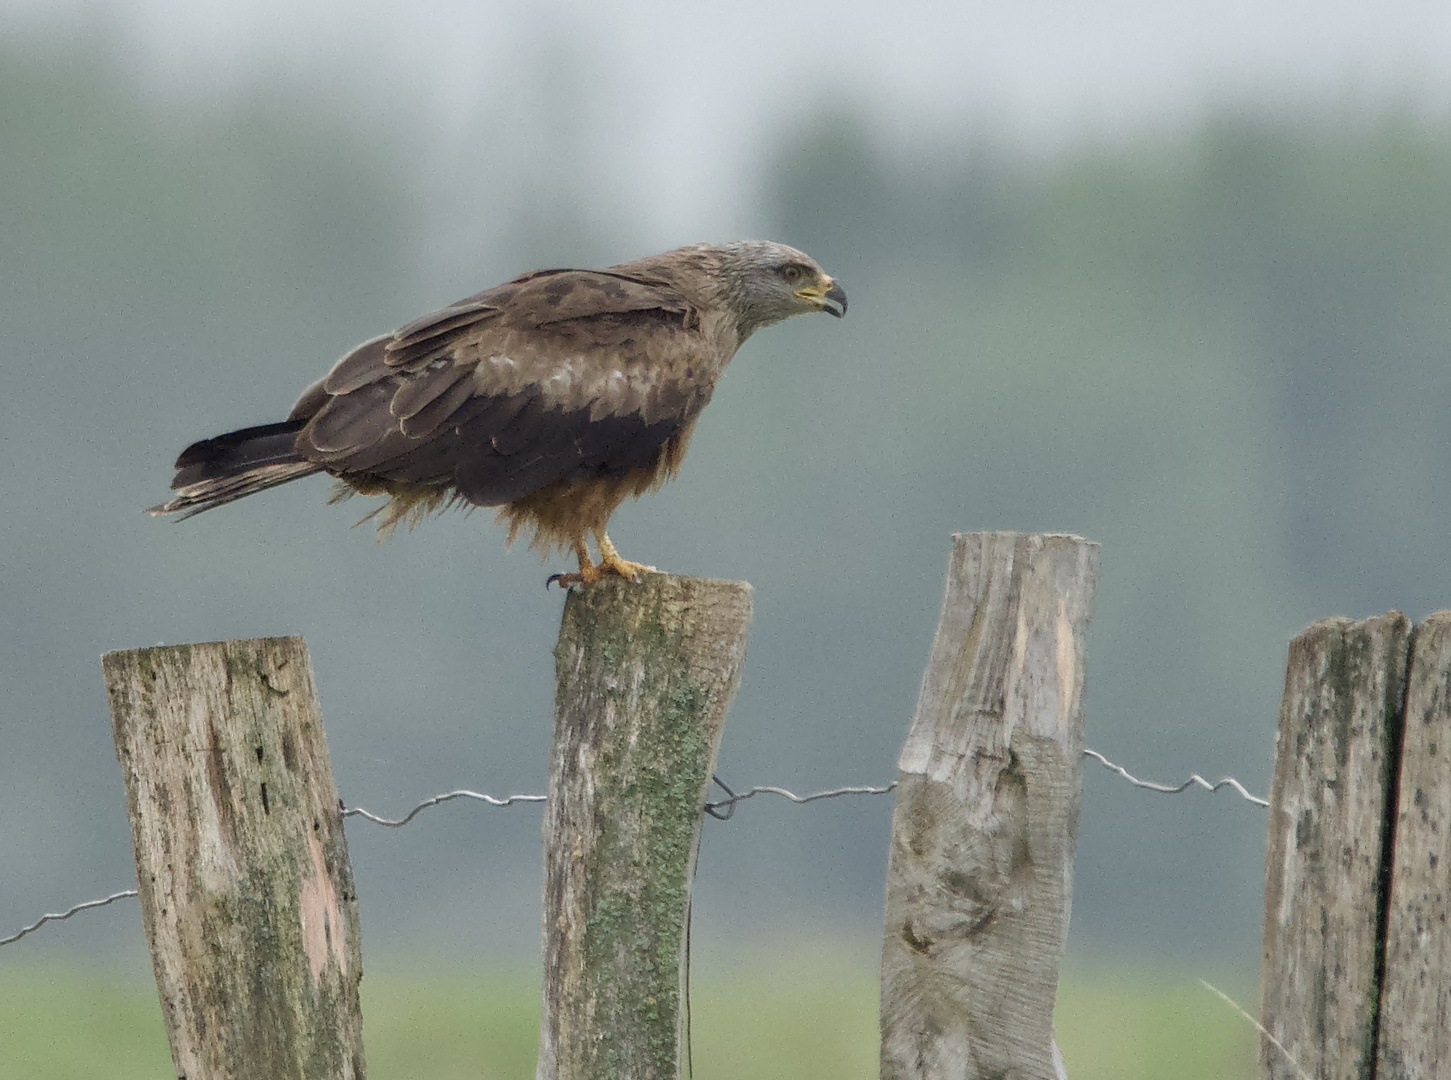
(559,374)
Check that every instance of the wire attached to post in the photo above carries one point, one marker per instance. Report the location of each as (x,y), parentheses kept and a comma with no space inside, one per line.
(721,810)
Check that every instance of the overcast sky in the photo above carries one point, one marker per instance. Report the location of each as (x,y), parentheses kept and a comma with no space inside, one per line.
(679,94)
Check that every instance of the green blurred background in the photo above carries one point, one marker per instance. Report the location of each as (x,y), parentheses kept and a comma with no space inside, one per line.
(810,1017)
(1196,314)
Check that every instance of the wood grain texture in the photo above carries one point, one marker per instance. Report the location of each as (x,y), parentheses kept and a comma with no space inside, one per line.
(246,890)
(1324,872)
(644,675)
(980,871)
(1415,1003)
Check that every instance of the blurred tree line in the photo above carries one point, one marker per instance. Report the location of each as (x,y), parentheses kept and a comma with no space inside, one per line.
(1223,355)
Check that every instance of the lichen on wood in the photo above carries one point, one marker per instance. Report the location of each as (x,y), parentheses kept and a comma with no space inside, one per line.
(644,675)
(242,867)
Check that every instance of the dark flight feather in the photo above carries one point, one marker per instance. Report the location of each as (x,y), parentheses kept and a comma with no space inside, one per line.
(418,393)
(420,341)
(360,367)
(217,471)
(231,488)
(238,449)
(436,408)
(351,421)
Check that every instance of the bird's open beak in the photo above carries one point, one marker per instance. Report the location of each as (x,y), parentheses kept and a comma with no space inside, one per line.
(826,295)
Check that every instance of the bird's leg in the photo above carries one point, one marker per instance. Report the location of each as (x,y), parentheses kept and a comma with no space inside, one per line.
(588,573)
(612,563)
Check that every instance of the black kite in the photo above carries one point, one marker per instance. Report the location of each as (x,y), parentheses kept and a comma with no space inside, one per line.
(553,397)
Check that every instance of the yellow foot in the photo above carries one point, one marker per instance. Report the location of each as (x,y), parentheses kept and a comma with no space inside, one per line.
(628,570)
(590,572)
(612,563)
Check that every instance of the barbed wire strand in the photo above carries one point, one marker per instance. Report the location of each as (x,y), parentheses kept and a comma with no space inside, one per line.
(395,823)
(725,809)
(721,810)
(62,916)
(1194,778)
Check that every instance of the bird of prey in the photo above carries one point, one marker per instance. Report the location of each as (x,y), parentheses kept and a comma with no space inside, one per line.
(553,397)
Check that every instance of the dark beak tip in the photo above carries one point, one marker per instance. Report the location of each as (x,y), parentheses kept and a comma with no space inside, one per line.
(837,295)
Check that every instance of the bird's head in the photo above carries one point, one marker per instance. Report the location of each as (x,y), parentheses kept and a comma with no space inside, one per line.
(766,282)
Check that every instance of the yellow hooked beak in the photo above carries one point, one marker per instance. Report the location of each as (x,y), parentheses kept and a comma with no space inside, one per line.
(827,295)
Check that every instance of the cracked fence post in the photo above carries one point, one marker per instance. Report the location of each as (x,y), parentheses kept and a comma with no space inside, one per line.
(1327,859)
(980,870)
(644,674)
(1414,1041)
(246,891)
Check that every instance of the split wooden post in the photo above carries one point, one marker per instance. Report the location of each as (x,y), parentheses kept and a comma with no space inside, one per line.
(644,675)
(1326,868)
(246,890)
(980,872)
(1415,1001)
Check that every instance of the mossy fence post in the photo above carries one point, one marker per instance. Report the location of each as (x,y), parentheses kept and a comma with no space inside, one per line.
(1357,927)
(644,675)
(241,864)
(980,869)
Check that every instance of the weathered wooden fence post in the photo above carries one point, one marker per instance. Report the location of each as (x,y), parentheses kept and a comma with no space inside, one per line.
(980,873)
(1357,942)
(1415,1001)
(1337,748)
(644,674)
(246,891)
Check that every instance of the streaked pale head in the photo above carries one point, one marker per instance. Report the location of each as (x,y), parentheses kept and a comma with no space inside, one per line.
(769,282)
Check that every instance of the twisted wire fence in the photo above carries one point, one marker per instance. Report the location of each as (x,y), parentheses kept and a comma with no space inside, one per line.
(722,810)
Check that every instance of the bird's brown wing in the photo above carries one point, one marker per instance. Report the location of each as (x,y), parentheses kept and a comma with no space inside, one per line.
(558,374)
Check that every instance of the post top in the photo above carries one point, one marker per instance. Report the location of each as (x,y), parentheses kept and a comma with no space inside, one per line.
(1012,534)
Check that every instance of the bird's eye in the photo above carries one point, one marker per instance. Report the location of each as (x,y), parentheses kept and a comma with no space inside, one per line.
(792,273)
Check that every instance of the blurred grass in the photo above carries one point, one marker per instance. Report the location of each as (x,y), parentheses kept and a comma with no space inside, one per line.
(801,1018)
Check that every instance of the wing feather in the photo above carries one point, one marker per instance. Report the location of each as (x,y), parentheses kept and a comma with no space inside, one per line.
(352,421)
(416,395)
(558,374)
(425,339)
(443,321)
(360,367)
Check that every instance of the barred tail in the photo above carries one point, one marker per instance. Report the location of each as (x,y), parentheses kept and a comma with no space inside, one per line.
(217,471)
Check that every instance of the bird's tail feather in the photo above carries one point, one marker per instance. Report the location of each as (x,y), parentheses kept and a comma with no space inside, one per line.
(217,471)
